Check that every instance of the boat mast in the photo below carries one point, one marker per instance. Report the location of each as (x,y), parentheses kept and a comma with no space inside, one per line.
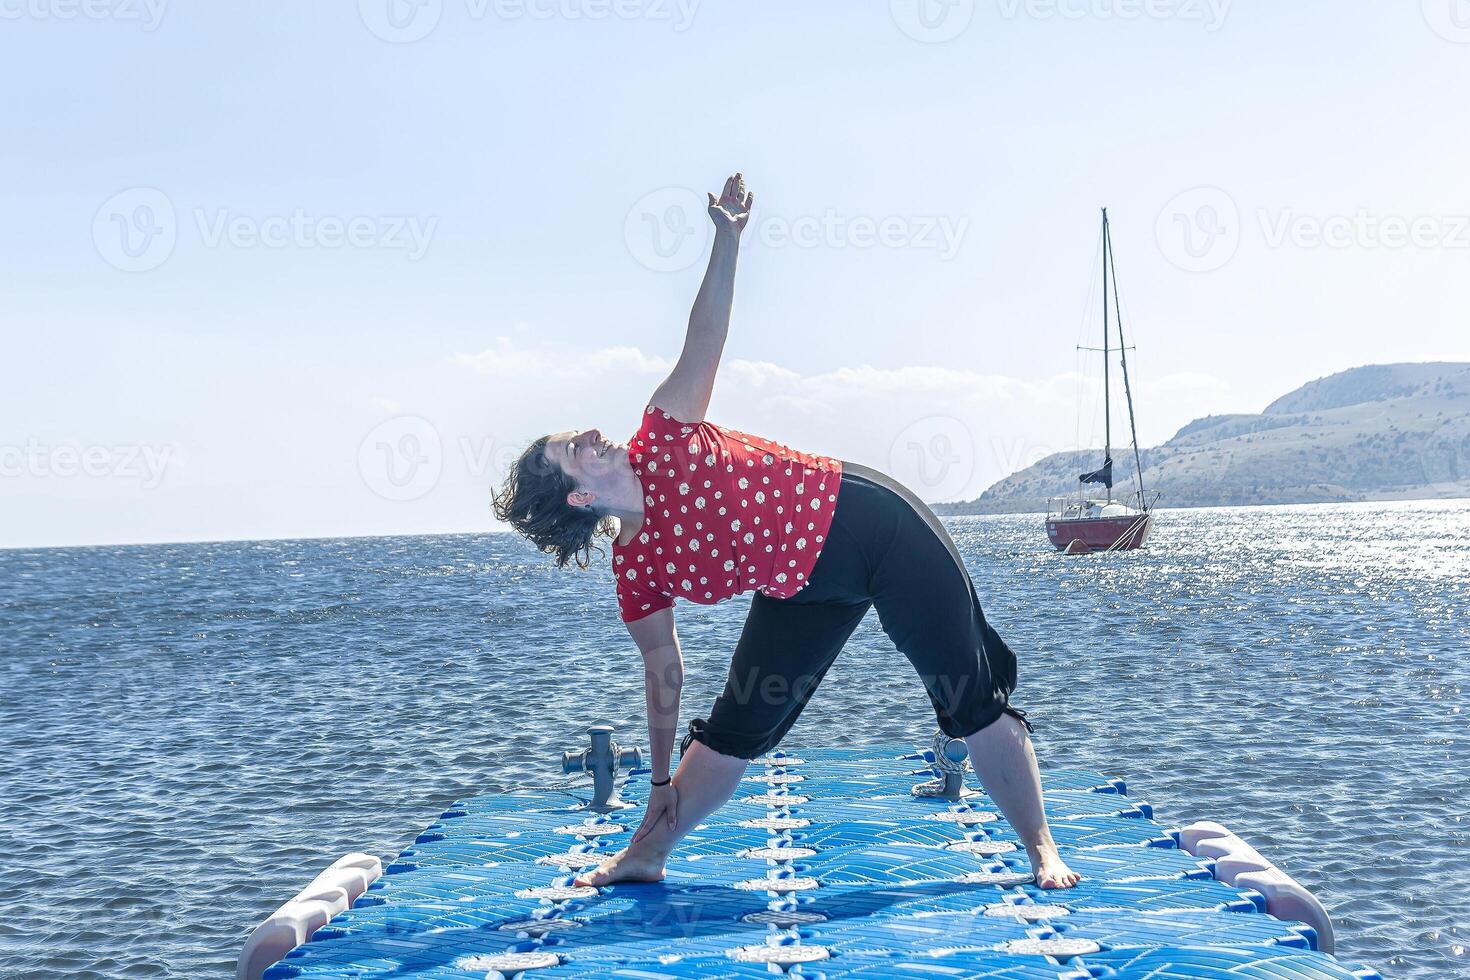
(1127,388)
(1107,406)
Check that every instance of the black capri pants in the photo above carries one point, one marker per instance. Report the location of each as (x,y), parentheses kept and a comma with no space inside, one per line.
(885,549)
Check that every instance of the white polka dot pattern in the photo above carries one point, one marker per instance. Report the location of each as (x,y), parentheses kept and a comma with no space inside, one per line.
(774,508)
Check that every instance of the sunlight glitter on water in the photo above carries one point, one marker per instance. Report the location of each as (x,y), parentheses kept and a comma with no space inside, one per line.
(191,732)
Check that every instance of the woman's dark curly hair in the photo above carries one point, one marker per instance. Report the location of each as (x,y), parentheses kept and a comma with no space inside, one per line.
(533,500)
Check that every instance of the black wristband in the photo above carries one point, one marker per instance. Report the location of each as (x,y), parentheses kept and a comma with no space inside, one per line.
(666,782)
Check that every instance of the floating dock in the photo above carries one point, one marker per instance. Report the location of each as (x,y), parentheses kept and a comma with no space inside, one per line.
(825,864)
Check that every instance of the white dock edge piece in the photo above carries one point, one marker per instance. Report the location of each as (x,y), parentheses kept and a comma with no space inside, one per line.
(330,893)
(1239,864)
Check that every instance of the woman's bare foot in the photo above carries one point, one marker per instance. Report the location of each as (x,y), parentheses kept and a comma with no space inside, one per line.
(1050,870)
(630,864)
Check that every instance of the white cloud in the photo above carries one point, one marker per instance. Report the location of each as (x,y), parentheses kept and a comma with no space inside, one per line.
(294,465)
(905,420)
(506,359)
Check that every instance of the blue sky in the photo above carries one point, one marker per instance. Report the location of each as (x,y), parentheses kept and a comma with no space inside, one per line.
(316,269)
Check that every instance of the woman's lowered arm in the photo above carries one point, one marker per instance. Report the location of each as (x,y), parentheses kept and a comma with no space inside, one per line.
(663,680)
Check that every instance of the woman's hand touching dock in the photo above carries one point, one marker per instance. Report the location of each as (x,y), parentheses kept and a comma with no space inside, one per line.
(663,804)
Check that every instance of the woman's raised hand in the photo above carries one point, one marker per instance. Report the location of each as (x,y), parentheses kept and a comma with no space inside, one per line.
(731,210)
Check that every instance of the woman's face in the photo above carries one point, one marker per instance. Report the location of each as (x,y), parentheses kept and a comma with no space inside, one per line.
(593,462)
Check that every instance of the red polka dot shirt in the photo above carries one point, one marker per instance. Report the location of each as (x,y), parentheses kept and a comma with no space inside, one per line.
(723,513)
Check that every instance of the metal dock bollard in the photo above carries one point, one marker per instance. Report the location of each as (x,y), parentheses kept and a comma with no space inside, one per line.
(603,760)
(950,756)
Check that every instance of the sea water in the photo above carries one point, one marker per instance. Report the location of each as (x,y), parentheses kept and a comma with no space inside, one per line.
(189,733)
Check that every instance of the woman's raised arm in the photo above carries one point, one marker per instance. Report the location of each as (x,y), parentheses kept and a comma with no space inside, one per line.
(686,392)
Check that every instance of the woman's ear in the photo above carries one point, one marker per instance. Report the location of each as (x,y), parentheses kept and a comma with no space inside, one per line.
(581,498)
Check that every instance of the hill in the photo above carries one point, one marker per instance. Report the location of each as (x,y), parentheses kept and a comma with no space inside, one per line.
(1384,431)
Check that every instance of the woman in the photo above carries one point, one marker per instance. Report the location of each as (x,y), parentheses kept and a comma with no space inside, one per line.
(704,513)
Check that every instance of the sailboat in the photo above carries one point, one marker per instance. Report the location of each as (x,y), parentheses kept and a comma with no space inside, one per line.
(1083,523)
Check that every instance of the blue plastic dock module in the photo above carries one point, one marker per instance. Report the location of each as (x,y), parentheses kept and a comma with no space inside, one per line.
(823,865)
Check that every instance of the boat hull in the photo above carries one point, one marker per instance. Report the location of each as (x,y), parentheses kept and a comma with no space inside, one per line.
(1080,535)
